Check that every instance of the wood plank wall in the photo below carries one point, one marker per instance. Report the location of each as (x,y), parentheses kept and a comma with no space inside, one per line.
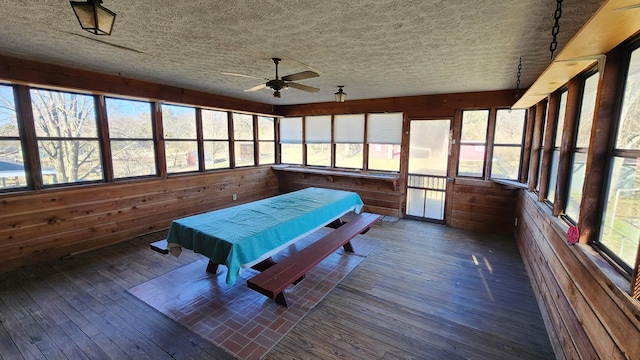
(481,205)
(379,196)
(586,314)
(381,199)
(37,226)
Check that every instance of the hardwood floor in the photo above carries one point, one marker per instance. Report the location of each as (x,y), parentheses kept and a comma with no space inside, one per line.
(426,292)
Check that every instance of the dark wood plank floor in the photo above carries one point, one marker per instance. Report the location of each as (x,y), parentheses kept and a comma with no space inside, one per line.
(426,292)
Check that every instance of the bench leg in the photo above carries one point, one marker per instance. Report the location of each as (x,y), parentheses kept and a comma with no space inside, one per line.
(280,299)
(212,268)
(348,247)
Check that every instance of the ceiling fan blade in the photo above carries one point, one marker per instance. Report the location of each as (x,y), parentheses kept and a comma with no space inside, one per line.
(303,87)
(256,88)
(241,75)
(301,76)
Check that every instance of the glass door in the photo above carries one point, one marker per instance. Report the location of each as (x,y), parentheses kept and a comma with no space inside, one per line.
(428,162)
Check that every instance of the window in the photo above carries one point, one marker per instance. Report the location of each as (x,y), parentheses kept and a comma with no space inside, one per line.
(384,136)
(555,156)
(318,140)
(620,228)
(215,134)
(131,134)
(266,140)
(507,143)
(67,137)
(291,140)
(12,173)
(349,140)
(243,140)
(579,156)
(473,142)
(181,142)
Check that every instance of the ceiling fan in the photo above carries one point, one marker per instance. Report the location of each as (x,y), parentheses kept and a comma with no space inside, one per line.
(278,83)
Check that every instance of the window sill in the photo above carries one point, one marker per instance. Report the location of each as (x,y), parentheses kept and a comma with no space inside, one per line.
(511,183)
(391,178)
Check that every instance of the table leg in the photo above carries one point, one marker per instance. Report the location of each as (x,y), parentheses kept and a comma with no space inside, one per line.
(264,264)
(212,267)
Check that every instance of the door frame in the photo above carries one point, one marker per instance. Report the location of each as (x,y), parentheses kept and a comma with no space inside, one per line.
(448,177)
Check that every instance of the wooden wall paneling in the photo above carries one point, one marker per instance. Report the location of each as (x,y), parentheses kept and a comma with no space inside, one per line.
(563,318)
(536,144)
(558,336)
(571,338)
(414,107)
(27,131)
(550,128)
(482,206)
(376,194)
(569,134)
(39,226)
(526,145)
(25,72)
(600,144)
(602,313)
(577,310)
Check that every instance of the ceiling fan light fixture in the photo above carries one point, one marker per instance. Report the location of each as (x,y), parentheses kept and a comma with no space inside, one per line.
(341,96)
(94,17)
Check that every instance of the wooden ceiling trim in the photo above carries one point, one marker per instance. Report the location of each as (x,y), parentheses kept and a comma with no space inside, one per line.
(615,22)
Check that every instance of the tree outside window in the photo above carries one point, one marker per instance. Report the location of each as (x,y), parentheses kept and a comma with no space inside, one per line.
(243,139)
(131,136)
(181,142)
(67,137)
(215,130)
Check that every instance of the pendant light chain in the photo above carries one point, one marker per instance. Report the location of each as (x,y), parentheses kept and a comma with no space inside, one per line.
(556,28)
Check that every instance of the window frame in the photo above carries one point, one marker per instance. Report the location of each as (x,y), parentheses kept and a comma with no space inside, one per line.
(111,139)
(16,138)
(461,142)
(98,138)
(520,145)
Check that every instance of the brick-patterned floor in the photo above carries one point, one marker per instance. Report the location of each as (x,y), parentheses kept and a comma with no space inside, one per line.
(237,319)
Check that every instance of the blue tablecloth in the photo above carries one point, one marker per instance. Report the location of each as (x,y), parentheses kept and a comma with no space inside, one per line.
(243,234)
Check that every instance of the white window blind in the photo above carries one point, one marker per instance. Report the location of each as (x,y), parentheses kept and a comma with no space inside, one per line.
(291,130)
(349,129)
(318,129)
(384,128)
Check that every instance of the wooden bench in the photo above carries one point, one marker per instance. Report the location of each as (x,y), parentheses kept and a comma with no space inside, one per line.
(272,281)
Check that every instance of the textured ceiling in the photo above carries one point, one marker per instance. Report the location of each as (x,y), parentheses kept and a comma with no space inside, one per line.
(375,48)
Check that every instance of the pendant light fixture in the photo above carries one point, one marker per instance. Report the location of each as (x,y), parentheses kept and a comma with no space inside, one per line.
(341,96)
(94,17)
